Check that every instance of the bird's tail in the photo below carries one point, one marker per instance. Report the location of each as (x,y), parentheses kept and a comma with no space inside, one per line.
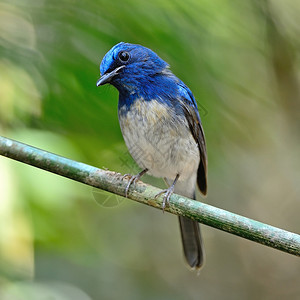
(190,230)
(192,242)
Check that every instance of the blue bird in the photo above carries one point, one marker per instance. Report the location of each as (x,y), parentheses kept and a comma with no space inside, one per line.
(161,126)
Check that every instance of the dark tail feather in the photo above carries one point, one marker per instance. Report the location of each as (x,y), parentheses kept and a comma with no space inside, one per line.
(190,230)
(192,242)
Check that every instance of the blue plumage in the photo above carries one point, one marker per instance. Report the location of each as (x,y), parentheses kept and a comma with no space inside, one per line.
(161,126)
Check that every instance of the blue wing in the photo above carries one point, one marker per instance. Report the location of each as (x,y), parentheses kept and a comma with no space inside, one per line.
(189,106)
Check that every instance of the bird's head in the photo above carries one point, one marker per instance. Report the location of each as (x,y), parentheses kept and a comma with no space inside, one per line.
(127,65)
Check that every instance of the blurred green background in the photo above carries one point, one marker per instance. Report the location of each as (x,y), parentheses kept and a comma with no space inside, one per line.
(64,240)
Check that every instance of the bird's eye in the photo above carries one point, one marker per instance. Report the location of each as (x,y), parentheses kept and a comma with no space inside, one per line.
(123,56)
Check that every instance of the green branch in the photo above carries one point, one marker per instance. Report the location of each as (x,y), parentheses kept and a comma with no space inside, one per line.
(144,193)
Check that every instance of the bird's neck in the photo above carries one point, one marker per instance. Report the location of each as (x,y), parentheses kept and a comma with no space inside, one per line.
(128,97)
(160,87)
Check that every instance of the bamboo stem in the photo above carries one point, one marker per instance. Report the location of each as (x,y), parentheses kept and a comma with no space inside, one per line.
(112,182)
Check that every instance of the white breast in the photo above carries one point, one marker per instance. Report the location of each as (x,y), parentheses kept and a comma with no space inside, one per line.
(159,140)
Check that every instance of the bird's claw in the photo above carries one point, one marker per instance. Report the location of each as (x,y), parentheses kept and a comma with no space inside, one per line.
(133,179)
(168,193)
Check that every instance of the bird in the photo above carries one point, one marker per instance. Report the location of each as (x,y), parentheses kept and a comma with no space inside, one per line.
(162,129)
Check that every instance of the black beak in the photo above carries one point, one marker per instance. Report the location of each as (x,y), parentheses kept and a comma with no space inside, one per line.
(106,78)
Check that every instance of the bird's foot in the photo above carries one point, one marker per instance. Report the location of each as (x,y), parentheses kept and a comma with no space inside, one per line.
(133,179)
(168,193)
